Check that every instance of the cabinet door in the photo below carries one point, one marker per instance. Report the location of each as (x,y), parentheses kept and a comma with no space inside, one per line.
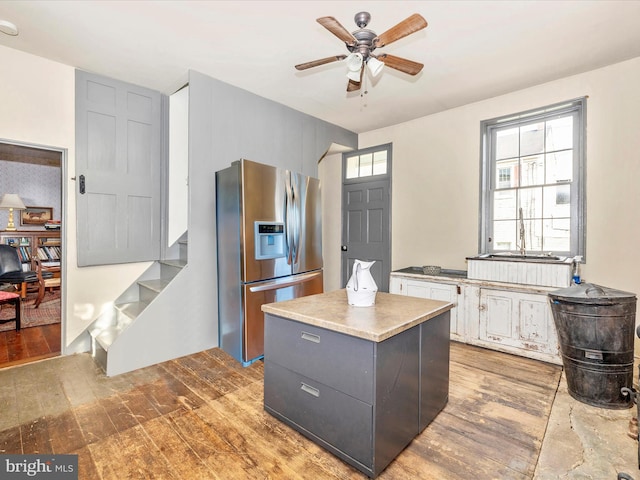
(520,320)
(397,285)
(497,316)
(437,291)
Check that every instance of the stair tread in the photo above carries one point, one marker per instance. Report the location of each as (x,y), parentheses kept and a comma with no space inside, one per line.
(132,309)
(155,284)
(175,262)
(106,336)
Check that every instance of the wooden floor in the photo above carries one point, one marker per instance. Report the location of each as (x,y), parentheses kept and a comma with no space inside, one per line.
(29,344)
(201,417)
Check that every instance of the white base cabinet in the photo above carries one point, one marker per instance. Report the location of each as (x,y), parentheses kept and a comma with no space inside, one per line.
(523,321)
(435,291)
(512,318)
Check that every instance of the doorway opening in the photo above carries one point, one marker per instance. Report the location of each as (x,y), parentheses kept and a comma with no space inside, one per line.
(33,174)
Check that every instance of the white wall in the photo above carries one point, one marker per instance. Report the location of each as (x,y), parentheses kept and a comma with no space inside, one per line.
(178,204)
(436,164)
(329,169)
(38,104)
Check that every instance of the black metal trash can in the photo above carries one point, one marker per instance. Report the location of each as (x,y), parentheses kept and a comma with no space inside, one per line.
(595,327)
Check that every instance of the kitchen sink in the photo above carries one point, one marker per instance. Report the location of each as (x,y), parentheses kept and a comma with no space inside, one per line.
(515,257)
(540,270)
(445,272)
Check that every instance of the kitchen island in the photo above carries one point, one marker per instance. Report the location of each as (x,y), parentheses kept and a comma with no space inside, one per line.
(361,382)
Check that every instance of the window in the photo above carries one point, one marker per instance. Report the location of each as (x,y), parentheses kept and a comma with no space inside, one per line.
(533,177)
(367,163)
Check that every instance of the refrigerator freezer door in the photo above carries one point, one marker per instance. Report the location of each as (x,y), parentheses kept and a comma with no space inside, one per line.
(259,293)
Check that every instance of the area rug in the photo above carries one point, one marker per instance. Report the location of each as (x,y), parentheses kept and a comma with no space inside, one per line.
(47,313)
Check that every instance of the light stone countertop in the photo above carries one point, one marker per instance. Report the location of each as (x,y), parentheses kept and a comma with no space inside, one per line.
(391,314)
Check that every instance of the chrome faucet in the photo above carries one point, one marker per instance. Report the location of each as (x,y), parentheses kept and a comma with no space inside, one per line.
(522,234)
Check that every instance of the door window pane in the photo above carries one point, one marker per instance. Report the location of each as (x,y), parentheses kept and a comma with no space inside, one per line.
(366,165)
(380,163)
(353,166)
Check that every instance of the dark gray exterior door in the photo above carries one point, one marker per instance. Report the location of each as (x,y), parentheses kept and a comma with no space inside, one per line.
(366,221)
(118,165)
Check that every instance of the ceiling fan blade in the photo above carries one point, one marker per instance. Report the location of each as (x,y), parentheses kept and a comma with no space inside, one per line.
(401,64)
(352,86)
(406,27)
(322,61)
(335,27)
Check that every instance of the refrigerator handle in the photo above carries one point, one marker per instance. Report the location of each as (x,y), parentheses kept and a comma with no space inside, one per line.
(297,223)
(288,205)
(276,284)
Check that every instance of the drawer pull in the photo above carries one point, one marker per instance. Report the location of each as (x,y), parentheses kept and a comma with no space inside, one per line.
(309,389)
(311,337)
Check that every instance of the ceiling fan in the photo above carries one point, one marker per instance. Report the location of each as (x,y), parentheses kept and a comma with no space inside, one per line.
(363,42)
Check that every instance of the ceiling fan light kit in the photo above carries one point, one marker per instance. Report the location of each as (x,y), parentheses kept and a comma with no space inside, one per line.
(375,66)
(363,42)
(354,62)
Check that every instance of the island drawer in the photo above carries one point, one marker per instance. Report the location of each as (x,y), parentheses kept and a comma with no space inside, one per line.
(340,361)
(338,419)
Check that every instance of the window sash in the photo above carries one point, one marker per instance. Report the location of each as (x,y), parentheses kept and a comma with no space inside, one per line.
(496,233)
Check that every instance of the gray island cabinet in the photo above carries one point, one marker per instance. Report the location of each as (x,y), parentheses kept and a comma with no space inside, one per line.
(361,382)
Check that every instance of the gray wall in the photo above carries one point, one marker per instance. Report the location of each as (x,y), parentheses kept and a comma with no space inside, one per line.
(225,124)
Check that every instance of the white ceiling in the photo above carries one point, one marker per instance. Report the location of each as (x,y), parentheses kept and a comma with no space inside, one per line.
(472,50)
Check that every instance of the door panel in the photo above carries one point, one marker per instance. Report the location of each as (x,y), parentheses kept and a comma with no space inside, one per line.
(118,164)
(366,229)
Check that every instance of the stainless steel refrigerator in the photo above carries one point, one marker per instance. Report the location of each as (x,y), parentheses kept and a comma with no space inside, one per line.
(269,242)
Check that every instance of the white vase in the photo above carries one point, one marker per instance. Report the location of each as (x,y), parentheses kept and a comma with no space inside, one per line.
(361,287)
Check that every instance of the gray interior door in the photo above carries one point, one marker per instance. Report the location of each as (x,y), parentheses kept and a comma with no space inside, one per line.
(366,221)
(118,165)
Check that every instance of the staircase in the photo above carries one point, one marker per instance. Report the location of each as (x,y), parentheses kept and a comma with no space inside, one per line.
(133,314)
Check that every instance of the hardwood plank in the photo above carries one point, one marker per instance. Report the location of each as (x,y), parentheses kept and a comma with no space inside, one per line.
(118,412)
(11,440)
(208,389)
(139,405)
(186,462)
(202,435)
(35,437)
(94,422)
(144,457)
(86,464)
(65,434)
(168,394)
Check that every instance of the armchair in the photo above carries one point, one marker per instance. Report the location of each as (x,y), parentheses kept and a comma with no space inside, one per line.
(46,280)
(11,272)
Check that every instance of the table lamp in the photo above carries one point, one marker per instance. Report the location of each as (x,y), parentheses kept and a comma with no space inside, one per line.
(10,201)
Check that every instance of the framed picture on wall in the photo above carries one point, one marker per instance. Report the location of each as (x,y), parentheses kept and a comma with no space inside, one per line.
(36,215)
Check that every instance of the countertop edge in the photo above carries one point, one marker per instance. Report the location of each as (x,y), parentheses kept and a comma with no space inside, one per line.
(520,287)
